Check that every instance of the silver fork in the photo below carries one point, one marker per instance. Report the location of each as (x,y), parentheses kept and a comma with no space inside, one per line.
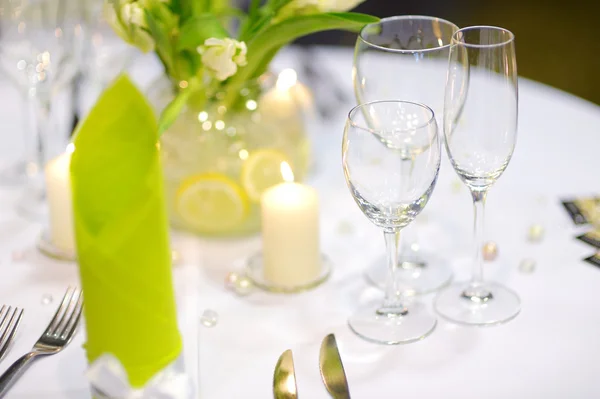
(57,336)
(9,323)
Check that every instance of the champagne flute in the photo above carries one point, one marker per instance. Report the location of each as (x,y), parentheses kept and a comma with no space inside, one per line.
(36,54)
(480,126)
(391,155)
(406,57)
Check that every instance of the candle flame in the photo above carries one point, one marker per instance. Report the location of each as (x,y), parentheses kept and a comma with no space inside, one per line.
(286,172)
(286,79)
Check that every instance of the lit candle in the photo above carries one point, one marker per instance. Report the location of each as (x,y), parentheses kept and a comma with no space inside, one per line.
(287,98)
(58,191)
(290,232)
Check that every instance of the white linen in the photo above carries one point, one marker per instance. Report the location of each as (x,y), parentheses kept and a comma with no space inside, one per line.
(549,351)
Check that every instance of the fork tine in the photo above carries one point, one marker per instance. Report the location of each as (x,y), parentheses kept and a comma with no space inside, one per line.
(4,314)
(71,315)
(11,331)
(74,321)
(60,311)
(67,313)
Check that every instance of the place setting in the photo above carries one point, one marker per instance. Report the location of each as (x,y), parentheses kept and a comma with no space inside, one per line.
(218,201)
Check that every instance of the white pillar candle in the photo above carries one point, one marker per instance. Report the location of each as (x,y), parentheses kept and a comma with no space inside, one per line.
(58,191)
(290,233)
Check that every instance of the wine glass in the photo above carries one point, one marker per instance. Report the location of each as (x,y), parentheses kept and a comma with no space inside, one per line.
(480,126)
(406,57)
(36,54)
(391,158)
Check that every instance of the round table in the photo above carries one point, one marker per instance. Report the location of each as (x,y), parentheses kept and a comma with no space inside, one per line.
(549,351)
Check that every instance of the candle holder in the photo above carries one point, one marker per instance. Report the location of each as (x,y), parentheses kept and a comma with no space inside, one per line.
(255,272)
(47,247)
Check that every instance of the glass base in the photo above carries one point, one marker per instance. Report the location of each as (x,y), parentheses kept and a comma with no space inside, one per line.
(420,272)
(488,304)
(46,247)
(254,271)
(413,324)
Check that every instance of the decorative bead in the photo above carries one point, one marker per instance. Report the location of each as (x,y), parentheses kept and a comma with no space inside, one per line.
(345,228)
(535,233)
(47,299)
(209,318)
(490,251)
(527,266)
(456,186)
(243,286)
(18,256)
(231,280)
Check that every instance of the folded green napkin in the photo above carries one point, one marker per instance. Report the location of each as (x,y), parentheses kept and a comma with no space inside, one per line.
(122,235)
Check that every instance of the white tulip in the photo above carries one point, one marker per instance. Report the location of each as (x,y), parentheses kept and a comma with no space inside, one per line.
(128,20)
(223,56)
(133,14)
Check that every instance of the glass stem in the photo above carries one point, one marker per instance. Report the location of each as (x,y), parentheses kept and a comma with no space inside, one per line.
(409,233)
(392,303)
(478,229)
(39,111)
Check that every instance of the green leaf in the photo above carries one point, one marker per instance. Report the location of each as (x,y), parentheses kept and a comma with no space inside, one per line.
(162,41)
(161,12)
(230,12)
(253,8)
(261,18)
(264,46)
(197,29)
(173,110)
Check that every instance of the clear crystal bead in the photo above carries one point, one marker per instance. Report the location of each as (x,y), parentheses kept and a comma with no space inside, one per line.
(209,318)
(243,286)
(527,266)
(231,280)
(490,251)
(535,233)
(47,299)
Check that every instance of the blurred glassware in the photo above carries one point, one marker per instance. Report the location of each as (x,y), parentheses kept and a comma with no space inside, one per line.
(406,58)
(103,56)
(36,54)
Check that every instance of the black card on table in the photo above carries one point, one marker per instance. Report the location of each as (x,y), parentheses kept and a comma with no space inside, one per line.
(594,259)
(583,210)
(591,237)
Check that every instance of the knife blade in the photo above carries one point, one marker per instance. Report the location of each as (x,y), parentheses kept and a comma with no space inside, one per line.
(332,369)
(284,377)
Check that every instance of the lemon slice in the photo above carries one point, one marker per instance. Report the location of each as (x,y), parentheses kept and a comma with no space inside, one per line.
(211,202)
(264,169)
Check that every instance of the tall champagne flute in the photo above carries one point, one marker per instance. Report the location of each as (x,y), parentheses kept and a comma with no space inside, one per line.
(36,54)
(391,158)
(480,126)
(406,57)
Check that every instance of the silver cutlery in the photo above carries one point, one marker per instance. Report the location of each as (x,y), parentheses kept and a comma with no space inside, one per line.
(57,336)
(9,323)
(284,377)
(332,369)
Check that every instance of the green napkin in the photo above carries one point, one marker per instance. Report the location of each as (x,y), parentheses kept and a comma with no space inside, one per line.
(121,234)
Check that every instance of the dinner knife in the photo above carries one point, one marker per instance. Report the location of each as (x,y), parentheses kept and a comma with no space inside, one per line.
(332,369)
(284,377)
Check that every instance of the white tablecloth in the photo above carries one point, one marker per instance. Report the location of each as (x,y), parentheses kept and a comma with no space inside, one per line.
(550,350)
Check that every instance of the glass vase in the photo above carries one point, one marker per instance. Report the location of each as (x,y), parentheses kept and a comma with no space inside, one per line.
(218,159)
